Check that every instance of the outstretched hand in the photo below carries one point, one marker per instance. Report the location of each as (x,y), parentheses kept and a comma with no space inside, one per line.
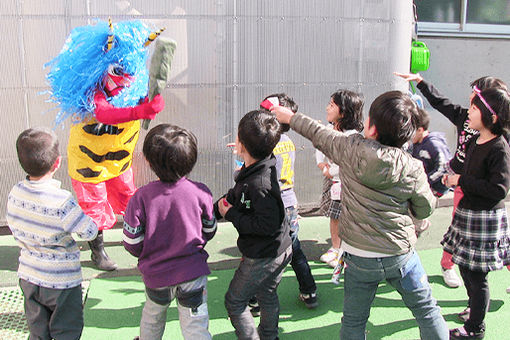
(224,206)
(409,76)
(283,114)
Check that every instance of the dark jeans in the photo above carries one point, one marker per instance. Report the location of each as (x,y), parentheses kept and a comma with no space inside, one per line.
(53,313)
(477,288)
(260,278)
(299,261)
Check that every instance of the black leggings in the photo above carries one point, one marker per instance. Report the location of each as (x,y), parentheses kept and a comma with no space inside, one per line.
(477,288)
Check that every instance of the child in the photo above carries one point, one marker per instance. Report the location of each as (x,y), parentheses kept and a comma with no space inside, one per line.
(479,237)
(458,115)
(255,208)
(167,224)
(285,153)
(41,217)
(432,150)
(345,113)
(381,183)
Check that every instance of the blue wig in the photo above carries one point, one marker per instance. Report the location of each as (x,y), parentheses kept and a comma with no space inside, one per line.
(77,72)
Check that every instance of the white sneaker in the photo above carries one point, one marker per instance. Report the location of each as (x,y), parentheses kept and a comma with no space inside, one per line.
(508,290)
(451,278)
(330,255)
(333,263)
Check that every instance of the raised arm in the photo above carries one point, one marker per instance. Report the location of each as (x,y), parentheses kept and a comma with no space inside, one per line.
(454,112)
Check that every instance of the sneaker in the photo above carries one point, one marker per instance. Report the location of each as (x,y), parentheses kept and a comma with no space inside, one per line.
(464,315)
(310,300)
(330,255)
(333,263)
(337,273)
(461,333)
(253,304)
(451,278)
(508,290)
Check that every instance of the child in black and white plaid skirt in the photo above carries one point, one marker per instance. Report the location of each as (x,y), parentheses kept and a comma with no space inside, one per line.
(479,236)
(345,113)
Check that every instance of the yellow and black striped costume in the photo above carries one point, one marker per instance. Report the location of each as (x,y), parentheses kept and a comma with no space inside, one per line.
(99,152)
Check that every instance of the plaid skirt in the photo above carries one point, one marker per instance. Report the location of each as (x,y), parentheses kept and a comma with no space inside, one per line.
(329,208)
(479,240)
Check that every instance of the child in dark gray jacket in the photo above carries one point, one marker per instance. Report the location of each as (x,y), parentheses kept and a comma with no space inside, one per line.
(255,208)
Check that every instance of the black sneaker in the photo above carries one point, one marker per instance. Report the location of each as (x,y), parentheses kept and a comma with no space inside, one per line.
(310,300)
(462,334)
(253,304)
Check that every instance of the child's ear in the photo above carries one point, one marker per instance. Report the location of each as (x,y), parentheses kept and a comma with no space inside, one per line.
(494,119)
(57,164)
(372,132)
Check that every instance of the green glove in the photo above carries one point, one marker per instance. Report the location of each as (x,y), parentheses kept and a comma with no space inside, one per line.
(159,70)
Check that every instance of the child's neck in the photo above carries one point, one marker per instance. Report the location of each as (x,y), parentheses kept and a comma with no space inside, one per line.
(485,136)
(249,160)
(47,176)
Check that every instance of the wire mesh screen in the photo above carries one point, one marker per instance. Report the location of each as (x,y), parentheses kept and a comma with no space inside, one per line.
(230,54)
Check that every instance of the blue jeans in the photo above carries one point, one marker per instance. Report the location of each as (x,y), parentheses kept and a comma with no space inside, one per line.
(260,278)
(299,262)
(406,274)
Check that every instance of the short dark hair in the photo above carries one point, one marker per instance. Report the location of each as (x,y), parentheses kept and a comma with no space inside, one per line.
(285,101)
(499,100)
(171,151)
(394,115)
(37,150)
(259,132)
(488,82)
(350,105)
(422,119)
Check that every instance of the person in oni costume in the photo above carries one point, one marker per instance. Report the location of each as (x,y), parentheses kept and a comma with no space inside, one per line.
(100,81)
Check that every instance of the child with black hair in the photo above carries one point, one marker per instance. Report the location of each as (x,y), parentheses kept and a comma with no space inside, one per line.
(432,150)
(255,208)
(458,115)
(345,112)
(41,217)
(381,183)
(479,237)
(167,225)
(285,153)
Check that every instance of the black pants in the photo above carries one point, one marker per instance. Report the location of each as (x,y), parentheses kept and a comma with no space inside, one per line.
(53,313)
(477,288)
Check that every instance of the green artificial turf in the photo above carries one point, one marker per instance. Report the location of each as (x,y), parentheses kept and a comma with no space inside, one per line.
(114,305)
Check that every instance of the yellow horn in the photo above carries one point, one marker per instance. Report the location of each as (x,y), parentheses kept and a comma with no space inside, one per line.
(109,44)
(153,36)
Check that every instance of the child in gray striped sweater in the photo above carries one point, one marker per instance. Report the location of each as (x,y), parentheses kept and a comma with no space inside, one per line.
(41,217)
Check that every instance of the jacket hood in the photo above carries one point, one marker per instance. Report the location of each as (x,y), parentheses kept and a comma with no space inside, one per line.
(381,167)
(439,136)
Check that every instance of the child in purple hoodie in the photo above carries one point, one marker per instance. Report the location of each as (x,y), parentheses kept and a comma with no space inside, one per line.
(166,225)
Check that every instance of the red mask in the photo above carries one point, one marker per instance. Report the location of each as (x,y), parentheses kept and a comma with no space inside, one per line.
(116,80)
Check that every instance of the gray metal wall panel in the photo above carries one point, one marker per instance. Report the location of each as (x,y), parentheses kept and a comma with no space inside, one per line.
(230,55)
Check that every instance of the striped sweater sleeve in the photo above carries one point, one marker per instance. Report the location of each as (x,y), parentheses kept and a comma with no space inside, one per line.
(74,220)
(134,227)
(209,224)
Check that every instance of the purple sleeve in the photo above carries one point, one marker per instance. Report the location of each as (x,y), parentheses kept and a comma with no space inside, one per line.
(134,227)
(209,225)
